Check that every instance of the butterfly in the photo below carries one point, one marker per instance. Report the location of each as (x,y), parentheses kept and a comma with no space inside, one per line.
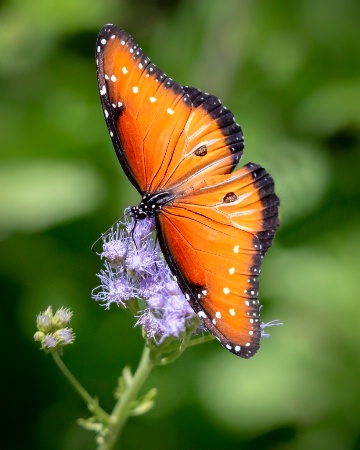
(179,147)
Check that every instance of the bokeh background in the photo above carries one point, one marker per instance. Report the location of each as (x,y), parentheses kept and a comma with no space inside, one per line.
(290,73)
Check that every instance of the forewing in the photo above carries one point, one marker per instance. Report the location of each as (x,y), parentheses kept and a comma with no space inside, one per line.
(166,136)
(212,143)
(214,240)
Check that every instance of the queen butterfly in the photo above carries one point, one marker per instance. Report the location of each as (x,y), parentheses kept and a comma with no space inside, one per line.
(179,147)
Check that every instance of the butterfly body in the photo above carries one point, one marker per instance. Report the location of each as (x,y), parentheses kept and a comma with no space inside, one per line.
(179,148)
(151,204)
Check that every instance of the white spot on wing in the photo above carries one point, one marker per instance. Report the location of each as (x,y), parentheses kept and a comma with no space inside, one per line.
(232,311)
(218,315)
(124,70)
(113,78)
(103,41)
(232,270)
(170,111)
(226,290)
(135,89)
(103,90)
(236,248)
(152,99)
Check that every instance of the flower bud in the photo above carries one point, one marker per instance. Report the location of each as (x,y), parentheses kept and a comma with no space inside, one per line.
(52,331)
(62,317)
(44,320)
(38,336)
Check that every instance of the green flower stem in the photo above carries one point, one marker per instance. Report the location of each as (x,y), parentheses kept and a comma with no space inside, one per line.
(201,340)
(122,410)
(115,422)
(92,404)
(175,350)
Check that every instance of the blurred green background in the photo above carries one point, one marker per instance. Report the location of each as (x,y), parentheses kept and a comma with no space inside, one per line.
(290,73)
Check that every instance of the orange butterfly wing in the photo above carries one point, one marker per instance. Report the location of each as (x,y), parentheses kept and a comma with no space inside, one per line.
(224,228)
(165,135)
(181,144)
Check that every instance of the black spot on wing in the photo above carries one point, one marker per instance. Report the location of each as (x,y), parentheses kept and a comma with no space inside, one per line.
(234,137)
(230,197)
(201,151)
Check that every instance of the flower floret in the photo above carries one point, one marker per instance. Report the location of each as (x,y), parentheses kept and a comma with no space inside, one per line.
(135,268)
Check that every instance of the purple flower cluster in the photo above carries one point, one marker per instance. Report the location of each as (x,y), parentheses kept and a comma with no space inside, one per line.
(135,269)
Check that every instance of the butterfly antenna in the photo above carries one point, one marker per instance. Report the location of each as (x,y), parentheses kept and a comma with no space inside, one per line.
(106,232)
(132,233)
(98,239)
